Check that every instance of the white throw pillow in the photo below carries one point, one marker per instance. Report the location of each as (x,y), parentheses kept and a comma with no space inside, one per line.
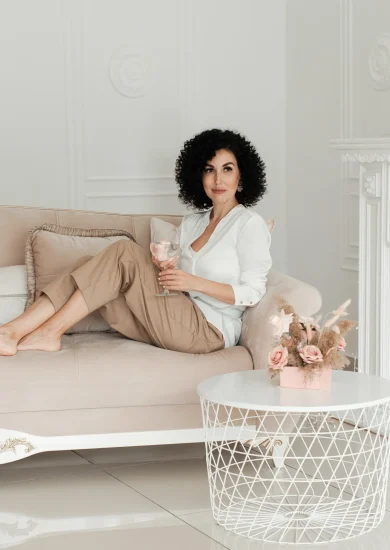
(161,230)
(13,292)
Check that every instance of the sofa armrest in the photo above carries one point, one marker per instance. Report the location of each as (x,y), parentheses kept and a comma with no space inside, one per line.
(256,334)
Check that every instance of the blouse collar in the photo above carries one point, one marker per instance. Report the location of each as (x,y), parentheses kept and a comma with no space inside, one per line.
(208,212)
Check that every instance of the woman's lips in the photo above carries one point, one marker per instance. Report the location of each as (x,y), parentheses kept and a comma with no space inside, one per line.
(219,191)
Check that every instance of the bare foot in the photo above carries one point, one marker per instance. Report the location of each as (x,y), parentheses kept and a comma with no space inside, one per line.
(7,343)
(41,340)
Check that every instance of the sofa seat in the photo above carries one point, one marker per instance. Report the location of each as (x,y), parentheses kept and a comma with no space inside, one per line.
(104,370)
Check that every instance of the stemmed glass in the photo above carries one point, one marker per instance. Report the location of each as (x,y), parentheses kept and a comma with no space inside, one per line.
(163,251)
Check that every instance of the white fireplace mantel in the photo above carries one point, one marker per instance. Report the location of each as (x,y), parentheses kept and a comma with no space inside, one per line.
(373,156)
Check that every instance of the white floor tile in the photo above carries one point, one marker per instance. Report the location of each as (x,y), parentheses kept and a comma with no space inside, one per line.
(326,452)
(149,453)
(378,539)
(152,537)
(349,475)
(43,465)
(178,486)
(182,486)
(89,511)
(45,460)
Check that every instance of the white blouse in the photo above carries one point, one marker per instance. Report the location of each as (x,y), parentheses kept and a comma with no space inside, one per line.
(237,253)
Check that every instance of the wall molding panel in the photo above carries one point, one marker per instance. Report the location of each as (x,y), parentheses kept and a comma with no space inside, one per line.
(72,16)
(350,185)
(346,66)
(127,72)
(124,201)
(128,178)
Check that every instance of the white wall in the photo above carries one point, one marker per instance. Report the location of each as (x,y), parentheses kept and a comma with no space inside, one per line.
(98,97)
(330,94)
(33,134)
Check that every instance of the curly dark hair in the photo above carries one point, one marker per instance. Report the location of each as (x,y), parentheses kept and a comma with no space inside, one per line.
(199,150)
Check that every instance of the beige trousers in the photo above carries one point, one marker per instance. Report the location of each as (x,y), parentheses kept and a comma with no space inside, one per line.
(121,281)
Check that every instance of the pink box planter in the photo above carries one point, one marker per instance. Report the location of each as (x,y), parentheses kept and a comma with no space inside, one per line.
(294,377)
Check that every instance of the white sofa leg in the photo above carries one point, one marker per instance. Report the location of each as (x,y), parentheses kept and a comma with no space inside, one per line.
(273,447)
(279,451)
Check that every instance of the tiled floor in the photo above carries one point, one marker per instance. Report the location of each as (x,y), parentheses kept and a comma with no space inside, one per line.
(150,498)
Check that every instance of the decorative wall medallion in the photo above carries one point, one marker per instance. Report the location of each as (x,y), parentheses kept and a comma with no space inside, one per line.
(371,186)
(379,63)
(128,72)
(11,444)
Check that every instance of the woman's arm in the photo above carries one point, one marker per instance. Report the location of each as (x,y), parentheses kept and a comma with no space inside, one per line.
(219,291)
(177,279)
(253,249)
(255,261)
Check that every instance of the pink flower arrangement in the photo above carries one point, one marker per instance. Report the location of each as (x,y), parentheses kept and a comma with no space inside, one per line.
(302,342)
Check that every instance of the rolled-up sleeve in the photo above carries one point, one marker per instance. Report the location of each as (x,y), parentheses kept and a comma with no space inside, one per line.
(255,261)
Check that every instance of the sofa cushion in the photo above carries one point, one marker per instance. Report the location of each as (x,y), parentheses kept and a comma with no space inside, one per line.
(52,249)
(109,370)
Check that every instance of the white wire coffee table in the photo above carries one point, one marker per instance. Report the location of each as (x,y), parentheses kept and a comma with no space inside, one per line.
(333,485)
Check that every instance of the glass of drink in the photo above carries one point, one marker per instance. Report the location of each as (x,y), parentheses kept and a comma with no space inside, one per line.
(164,251)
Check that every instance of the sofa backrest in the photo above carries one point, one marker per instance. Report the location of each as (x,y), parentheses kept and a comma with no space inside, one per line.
(17,221)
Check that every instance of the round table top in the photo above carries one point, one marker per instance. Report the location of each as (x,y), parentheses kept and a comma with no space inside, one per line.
(257,391)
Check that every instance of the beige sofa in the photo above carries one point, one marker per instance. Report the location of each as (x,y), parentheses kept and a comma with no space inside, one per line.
(104,390)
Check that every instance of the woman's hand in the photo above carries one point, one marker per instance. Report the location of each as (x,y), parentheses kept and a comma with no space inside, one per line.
(177,279)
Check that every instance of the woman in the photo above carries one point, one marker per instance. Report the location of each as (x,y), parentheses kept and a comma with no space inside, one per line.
(223,267)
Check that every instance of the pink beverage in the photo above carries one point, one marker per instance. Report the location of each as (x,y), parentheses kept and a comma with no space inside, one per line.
(160,250)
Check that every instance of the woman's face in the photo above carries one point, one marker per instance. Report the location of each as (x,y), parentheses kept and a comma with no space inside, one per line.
(221,177)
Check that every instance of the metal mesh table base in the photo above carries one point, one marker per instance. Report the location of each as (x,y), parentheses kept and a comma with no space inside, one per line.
(333,485)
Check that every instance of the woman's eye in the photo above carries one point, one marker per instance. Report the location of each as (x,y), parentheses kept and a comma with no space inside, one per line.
(228,168)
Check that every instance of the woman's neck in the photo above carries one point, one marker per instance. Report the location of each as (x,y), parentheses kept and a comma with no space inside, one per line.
(220,210)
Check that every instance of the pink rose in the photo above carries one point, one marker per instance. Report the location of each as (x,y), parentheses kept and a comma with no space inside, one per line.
(310,354)
(341,345)
(278,357)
